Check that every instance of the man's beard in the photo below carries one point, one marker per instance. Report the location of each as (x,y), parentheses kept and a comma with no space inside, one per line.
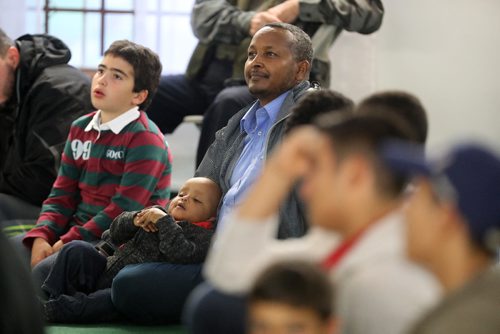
(8,90)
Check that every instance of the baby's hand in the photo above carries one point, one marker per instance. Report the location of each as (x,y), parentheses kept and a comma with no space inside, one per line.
(147,218)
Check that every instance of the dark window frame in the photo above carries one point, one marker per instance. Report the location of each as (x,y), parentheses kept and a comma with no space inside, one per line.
(48,9)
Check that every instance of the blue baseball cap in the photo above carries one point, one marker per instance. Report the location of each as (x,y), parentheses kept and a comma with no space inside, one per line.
(468,174)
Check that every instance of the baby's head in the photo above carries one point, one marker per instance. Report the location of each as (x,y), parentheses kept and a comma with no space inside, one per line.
(197,200)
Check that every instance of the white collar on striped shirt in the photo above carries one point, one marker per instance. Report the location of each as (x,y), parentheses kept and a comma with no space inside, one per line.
(116,125)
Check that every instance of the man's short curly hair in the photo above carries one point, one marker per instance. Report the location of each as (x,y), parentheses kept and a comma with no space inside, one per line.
(302,46)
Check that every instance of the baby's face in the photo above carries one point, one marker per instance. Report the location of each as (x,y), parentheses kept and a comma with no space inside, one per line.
(197,201)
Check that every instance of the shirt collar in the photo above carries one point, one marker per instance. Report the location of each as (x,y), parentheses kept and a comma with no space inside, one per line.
(272,109)
(116,125)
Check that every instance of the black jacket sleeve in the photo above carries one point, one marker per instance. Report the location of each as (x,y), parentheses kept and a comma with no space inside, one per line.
(58,97)
(122,228)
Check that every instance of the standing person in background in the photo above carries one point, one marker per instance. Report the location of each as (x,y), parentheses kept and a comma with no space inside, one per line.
(214,83)
(40,96)
(454,230)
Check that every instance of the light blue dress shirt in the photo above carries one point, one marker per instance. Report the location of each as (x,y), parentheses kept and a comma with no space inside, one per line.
(256,124)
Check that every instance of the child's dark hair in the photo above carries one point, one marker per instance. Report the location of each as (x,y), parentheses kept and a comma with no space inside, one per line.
(401,104)
(315,103)
(366,133)
(297,284)
(146,64)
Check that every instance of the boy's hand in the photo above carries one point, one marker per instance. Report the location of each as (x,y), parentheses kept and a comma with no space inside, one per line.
(147,218)
(40,250)
(57,246)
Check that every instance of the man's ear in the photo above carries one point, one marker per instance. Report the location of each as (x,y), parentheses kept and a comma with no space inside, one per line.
(12,57)
(302,70)
(357,170)
(452,219)
(140,97)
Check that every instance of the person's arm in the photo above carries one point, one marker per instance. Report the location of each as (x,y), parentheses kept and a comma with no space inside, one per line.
(363,16)
(59,207)
(122,228)
(143,170)
(284,168)
(48,112)
(220,22)
(183,242)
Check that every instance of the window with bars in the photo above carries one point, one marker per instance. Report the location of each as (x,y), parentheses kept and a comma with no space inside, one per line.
(88,27)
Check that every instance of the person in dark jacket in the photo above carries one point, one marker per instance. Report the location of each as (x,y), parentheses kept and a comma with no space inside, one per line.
(40,95)
(20,312)
(78,285)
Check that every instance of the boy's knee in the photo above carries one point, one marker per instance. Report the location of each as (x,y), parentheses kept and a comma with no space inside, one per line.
(78,244)
(79,248)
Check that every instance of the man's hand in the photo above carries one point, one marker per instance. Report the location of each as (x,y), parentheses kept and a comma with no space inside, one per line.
(260,19)
(40,250)
(287,11)
(293,158)
(287,164)
(147,218)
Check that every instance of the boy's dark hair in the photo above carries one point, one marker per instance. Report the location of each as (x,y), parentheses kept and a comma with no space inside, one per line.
(315,103)
(402,104)
(146,64)
(366,133)
(5,42)
(297,284)
(302,46)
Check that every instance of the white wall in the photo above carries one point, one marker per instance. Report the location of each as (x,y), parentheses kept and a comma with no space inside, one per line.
(12,19)
(447,52)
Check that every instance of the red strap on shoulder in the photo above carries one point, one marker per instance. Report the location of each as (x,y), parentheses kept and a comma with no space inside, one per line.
(207,225)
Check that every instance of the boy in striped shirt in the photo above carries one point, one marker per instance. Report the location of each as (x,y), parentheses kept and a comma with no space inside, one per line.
(115,159)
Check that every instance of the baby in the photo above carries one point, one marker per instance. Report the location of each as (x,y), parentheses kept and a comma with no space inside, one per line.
(182,234)
(196,203)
